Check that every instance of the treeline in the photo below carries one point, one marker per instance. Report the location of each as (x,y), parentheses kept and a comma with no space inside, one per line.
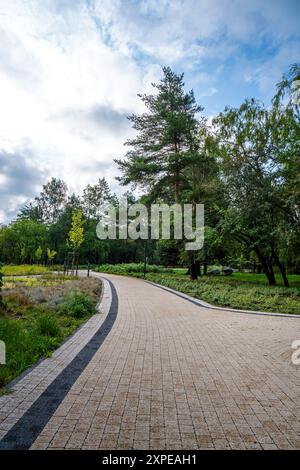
(41,231)
(244,166)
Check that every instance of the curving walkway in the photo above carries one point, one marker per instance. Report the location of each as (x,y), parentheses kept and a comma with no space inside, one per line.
(170,374)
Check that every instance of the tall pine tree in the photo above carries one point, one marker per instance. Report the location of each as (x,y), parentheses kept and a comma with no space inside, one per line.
(166,143)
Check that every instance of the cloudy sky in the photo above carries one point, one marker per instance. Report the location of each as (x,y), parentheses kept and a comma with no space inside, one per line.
(70,71)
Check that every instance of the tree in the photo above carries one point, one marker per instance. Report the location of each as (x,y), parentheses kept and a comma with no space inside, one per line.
(20,240)
(30,211)
(165,144)
(9,245)
(38,253)
(51,255)
(250,147)
(50,203)
(76,234)
(289,85)
(287,102)
(94,197)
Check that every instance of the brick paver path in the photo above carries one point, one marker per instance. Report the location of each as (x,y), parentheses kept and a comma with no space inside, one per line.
(174,375)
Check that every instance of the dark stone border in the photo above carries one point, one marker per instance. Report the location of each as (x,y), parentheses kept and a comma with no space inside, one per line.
(22,435)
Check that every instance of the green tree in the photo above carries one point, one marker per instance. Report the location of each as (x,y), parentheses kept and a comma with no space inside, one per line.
(165,144)
(51,201)
(20,240)
(287,102)
(38,253)
(51,255)
(251,147)
(289,86)
(94,196)
(76,234)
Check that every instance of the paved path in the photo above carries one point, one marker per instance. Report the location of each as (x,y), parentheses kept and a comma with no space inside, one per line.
(172,375)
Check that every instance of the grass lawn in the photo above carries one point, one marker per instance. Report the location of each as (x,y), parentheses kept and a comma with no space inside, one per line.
(245,291)
(234,292)
(38,314)
(27,269)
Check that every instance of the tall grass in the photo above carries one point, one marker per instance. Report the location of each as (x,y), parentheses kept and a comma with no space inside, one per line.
(24,270)
(36,318)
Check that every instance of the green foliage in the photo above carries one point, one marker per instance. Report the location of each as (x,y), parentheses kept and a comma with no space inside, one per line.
(165,144)
(94,197)
(51,254)
(47,325)
(244,168)
(78,305)
(252,144)
(24,270)
(286,85)
(32,329)
(20,240)
(38,253)
(49,205)
(76,234)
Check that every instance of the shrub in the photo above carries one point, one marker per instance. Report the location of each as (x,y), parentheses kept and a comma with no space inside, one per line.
(47,325)
(78,305)
(23,348)
(129,268)
(1,284)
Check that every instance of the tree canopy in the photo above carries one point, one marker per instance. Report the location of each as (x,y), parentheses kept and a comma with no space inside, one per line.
(244,166)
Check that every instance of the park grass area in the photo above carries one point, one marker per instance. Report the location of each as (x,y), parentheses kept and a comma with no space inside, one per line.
(234,292)
(246,291)
(38,314)
(28,269)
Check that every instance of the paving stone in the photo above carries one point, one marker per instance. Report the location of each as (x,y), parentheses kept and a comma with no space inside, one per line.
(173,375)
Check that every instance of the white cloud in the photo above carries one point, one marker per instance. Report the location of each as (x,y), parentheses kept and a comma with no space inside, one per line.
(70,70)
(56,75)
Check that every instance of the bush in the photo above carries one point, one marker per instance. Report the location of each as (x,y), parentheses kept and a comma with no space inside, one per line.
(130,268)
(31,330)
(78,305)
(23,348)
(47,325)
